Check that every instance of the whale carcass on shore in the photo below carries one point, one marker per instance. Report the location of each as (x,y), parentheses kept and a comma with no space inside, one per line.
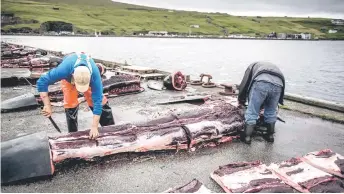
(15,56)
(112,87)
(214,122)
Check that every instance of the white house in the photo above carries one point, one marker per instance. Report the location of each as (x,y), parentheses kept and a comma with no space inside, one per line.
(332,31)
(65,33)
(194,26)
(52,33)
(157,33)
(306,36)
(337,22)
(281,35)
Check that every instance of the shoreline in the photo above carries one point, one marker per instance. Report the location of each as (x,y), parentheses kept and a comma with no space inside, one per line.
(179,37)
(320,108)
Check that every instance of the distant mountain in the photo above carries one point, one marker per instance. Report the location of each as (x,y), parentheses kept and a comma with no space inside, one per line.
(110,17)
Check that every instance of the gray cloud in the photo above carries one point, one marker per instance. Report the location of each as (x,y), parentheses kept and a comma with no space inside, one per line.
(300,8)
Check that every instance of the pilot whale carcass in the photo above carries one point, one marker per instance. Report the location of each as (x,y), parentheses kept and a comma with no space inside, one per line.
(113,86)
(26,157)
(181,130)
(23,101)
(178,131)
(121,84)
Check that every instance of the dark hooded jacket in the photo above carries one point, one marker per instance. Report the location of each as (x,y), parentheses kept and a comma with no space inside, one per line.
(252,72)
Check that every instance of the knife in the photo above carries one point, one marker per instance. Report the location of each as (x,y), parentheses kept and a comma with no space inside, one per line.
(53,122)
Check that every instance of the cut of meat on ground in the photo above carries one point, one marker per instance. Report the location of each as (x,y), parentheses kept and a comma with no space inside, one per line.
(307,178)
(117,139)
(215,124)
(14,56)
(326,160)
(326,185)
(249,177)
(121,84)
(195,186)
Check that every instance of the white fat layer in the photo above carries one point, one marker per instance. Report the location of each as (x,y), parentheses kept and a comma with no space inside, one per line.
(151,140)
(85,152)
(233,101)
(115,140)
(196,127)
(308,173)
(71,138)
(147,141)
(242,178)
(327,163)
(62,139)
(203,189)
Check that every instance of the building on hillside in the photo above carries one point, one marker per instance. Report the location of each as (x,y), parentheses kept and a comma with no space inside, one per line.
(332,31)
(272,35)
(297,36)
(323,29)
(65,33)
(52,33)
(194,26)
(7,16)
(9,19)
(157,33)
(281,35)
(294,36)
(337,22)
(306,36)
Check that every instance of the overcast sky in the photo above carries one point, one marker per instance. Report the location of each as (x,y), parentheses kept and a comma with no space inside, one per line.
(300,8)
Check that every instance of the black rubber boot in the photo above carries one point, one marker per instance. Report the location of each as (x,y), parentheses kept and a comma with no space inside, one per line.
(270,132)
(246,134)
(72,119)
(106,118)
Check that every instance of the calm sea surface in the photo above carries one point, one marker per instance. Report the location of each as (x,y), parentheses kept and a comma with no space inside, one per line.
(311,68)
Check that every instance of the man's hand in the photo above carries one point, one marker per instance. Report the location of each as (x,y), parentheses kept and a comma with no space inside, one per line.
(94,133)
(47,111)
(94,130)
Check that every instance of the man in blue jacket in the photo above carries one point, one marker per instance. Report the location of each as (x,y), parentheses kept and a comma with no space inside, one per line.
(77,73)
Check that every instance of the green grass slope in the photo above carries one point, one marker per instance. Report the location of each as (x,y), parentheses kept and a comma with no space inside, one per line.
(124,19)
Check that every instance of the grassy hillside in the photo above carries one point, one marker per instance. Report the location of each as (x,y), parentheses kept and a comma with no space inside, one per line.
(122,19)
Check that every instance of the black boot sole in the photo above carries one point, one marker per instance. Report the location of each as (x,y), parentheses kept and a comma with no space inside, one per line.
(248,142)
(268,139)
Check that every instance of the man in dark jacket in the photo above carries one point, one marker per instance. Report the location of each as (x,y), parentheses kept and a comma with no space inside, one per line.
(263,84)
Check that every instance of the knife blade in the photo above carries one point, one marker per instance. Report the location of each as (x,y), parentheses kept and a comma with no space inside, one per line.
(53,122)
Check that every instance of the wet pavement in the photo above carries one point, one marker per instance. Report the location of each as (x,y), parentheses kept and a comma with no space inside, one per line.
(156,172)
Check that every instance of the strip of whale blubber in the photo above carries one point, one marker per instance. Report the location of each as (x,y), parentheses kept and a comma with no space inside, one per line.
(26,157)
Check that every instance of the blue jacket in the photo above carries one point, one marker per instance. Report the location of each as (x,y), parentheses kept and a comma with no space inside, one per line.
(65,71)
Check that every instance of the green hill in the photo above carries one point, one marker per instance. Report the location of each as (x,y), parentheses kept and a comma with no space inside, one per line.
(125,19)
